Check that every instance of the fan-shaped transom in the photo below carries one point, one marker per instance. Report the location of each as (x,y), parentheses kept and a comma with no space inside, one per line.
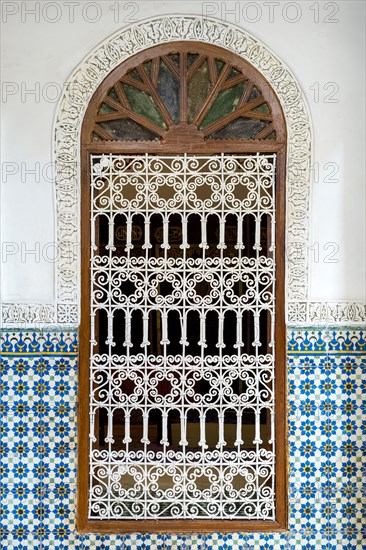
(183,92)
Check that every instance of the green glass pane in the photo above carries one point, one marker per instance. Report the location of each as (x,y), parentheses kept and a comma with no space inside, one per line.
(225,103)
(255,93)
(127,130)
(134,74)
(147,67)
(168,88)
(95,137)
(104,109)
(240,128)
(198,89)
(175,58)
(191,58)
(271,136)
(219,65)
(143,104)
(233,74)
(262,108)
(113,95)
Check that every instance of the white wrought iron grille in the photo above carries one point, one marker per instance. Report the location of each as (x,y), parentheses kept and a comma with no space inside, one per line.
(182,345)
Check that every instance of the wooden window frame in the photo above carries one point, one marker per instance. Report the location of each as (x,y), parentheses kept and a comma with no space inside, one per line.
(178,143)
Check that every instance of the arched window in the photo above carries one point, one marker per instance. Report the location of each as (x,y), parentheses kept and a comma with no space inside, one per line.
(182,359)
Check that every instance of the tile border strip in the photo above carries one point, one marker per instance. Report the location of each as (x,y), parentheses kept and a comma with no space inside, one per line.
(300,341)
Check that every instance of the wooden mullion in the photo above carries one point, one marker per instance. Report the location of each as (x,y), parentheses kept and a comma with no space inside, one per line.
(281,479)
(125,113)
(110,116)
(146,123)
(135,83)
(84,347)
(183,87)
(256,115)
(246,110)
(155,65)
(233,81)
(253,104)
(196,65)
(121,95)
(246,94)
(212,146)
(181,526)
(171,66)
(154,94)
(113,103)
(102,133)
(265,132)
(212,95)
(212,70)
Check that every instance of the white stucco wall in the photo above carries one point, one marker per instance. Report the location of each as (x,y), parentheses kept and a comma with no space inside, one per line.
(324,48)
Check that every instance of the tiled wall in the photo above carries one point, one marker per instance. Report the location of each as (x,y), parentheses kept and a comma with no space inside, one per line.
(326,377)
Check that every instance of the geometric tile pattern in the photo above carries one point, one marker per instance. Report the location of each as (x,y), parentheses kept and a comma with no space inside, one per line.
(327,443)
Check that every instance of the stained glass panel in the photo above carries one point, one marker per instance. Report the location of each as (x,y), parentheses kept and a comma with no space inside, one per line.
(175,58)
(134,73)
(263,108)
(241,128)
(163,98)
(104,108)
(191,58)
(142,103)
(233,73)
(254,93)
(198,89)
(168,88)
(225,103)
(125,129)
(113,95)
(219,65)
(147,67)
(271,136)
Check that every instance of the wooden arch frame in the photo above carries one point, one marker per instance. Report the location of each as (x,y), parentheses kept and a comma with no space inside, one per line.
(176,142)
(175,139)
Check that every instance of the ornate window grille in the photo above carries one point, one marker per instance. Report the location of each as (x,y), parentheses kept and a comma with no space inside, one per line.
(182,305)
(182,400)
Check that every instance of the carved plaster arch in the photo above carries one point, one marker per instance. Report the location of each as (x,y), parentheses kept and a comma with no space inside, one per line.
(85,80)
